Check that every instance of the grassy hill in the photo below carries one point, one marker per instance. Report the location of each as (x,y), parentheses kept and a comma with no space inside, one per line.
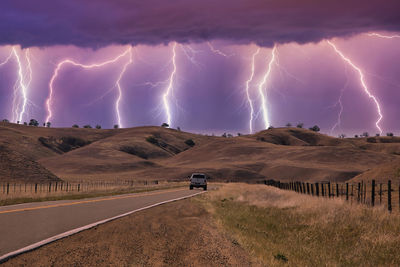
(71,154)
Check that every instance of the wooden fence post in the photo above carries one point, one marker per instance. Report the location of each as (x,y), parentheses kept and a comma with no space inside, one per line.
(79,187)
(312,189)
(373,193)
(390,196)
(8,188)
(317,189)
(337,189)
(308,188)
(35,188)
(347,191)
(358,192)
(380,193)
(329,189)
(49,187)
(322,189)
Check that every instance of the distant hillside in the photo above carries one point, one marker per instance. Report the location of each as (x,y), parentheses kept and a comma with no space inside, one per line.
(159,153)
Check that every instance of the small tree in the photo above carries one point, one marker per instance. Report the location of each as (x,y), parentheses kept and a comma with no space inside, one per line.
(288,124)
(87,126)
(165,125)
(75,126)
(389,134)
(5,120)
(178,128)
(342,136)
(116,126)
(365,134)
(270,127)
(17,122)
(239,134)
(48,124)
(98,126)
(377,135)
(223,135)
(33,122)
(25,123)
(300,125)
(44,124)
(356,136)
(229,135)
(315,128)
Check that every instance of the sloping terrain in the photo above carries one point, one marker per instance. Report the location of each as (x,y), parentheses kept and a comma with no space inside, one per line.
(159,153)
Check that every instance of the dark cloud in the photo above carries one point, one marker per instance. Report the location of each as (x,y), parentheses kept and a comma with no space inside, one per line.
(97,23)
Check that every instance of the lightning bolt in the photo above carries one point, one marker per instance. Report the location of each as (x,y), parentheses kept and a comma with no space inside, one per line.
(169,88)
(383,36)
(262,85)
(65,62)
(248,90)
(340,104)
(7,59)
(118,84)
(217,51)
(21,84)
(363,84)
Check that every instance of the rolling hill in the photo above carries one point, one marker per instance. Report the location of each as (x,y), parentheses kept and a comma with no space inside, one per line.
(146,153)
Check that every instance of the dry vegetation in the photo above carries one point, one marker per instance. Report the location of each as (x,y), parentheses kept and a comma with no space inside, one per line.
(236,225)
(282,227)
(24,193)
(155,153)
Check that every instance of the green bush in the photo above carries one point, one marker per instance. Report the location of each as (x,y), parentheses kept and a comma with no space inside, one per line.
(190,142)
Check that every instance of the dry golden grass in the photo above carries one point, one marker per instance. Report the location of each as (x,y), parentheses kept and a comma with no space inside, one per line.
(283,227)
(23,193)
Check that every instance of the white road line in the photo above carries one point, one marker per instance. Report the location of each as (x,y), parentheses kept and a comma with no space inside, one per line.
(39,244)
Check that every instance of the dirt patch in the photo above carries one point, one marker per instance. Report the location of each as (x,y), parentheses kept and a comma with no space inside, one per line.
(182,233)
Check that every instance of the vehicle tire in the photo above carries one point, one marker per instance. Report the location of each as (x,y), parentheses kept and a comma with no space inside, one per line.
(205,188)
(191,187)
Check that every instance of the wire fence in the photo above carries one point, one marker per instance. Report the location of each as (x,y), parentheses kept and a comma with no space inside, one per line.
(59,188)
(365,192)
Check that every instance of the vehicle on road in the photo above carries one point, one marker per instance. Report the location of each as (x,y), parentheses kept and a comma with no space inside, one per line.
(198,180)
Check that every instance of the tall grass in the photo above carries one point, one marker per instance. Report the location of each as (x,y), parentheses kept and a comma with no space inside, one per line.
(281,227)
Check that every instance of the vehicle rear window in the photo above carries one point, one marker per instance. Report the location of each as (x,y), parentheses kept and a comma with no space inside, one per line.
(198,176)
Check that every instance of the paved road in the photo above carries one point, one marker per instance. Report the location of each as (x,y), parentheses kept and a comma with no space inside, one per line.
(25,224)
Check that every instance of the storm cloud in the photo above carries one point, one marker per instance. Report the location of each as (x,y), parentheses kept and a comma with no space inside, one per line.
(98,23)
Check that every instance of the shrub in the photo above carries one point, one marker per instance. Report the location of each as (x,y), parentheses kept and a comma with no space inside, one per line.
(365,134)
(5,120)
(223,135)
(165,125)
(75,126)
(315,128)
(342,136)
(389,134)
(377,135)
(87,126)
(190,142)
(98,126)
(178,128)
(288,124)
(33,122)
(270,127)
(356,136)
(25,123)
(116,126)
(300,125)
(48,124)
(152,140)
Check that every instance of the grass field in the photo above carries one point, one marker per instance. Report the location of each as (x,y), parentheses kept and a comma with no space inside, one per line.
(24,193)
(281,227)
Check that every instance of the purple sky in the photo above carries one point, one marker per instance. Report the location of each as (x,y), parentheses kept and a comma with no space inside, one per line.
(208,91)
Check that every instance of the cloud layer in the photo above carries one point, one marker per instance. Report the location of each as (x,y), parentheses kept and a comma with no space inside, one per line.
(96,23)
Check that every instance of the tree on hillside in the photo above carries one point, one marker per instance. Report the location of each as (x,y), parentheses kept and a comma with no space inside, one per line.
(270,127)
(342,136)
(356,136)
(75,126)
(377,135)
(365,134)
(116,126)
(33,122)
(300,125)
(5,120)
(165,125)
(87,126)
(98,126)
(48,124)
(288,124)
(389,134)
(25,123)
(178,128)
(315,128)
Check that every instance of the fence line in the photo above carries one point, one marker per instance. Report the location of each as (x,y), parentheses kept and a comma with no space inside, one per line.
(10,189)
(365,192)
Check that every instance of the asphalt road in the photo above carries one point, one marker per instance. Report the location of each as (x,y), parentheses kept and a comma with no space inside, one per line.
(26,224)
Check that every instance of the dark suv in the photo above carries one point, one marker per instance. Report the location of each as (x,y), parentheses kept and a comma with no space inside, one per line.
(198,180)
